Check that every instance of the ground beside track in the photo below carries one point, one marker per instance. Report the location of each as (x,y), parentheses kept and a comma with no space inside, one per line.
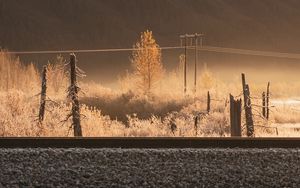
(149,167)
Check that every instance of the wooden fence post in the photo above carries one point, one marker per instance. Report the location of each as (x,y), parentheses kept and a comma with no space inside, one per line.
(208,103)
(43,95)
(73,93)
(247,106)
(264,104)
(196,124)
(235,116)
(267,100)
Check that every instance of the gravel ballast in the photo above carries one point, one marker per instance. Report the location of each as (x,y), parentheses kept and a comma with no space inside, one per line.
(150,167)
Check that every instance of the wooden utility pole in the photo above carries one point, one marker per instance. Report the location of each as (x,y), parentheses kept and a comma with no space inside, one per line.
(208,103)
(192,37)
(264,104)
(235,116)
(195,66)
(197,37)
(43,95)
(267,100)
(185,63)
(7,72)
(74,97)
(247,106)
(2,83)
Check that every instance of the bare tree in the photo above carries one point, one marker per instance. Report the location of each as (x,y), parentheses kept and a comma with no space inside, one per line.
(43,95)
(73,94)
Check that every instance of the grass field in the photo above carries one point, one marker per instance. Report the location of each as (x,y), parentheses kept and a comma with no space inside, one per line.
(126,112)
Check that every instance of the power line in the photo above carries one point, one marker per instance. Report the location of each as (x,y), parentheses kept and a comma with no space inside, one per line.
(250,52)
(203,48)
(86,51)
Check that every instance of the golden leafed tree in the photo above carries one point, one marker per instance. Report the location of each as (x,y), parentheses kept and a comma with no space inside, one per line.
(146,61)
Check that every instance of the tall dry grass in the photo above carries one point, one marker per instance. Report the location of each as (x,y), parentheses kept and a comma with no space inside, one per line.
(15,75)
(123,112)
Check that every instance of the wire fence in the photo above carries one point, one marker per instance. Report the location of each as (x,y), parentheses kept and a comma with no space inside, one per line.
(260,120)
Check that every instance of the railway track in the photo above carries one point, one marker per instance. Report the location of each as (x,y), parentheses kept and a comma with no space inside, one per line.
(148,142)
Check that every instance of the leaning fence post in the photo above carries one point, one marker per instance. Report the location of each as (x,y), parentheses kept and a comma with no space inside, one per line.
(235,116)
(267,100)
(247,106)
(73,93)
(43,95)
(196,124)
(208,103)
(263,104)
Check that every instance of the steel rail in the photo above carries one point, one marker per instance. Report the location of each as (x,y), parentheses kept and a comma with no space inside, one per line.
(149,142)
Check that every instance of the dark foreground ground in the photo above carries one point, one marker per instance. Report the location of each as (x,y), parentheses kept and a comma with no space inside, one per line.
(150,167)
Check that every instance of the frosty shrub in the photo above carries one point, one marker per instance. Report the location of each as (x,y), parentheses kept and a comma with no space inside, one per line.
(57,77)
(128,112)
(15,75)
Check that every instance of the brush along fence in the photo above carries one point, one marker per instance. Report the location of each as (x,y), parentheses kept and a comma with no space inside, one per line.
(251,110)
(72,94)
(235,102)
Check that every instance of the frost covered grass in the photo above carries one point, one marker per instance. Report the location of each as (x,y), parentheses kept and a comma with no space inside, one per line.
(20,119)
(125,112)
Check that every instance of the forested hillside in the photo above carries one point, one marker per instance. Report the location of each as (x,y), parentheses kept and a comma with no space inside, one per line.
(55,24)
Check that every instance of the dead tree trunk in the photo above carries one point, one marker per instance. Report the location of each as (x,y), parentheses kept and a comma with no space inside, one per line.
(74,97)
(247,106)
(264,104)
(267,100)
(43,95)
(235,116)
(208,103)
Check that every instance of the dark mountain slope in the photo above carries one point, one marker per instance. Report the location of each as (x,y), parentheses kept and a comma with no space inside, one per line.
(88,24)
(55,24)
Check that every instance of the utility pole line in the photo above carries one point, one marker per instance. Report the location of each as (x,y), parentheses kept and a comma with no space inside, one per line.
(193,37)
(185,54)
(195,66)
(184,37)
(197,37)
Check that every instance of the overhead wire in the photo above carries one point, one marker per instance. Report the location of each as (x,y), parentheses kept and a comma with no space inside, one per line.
(250,52)
(202,48)
(87,50)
